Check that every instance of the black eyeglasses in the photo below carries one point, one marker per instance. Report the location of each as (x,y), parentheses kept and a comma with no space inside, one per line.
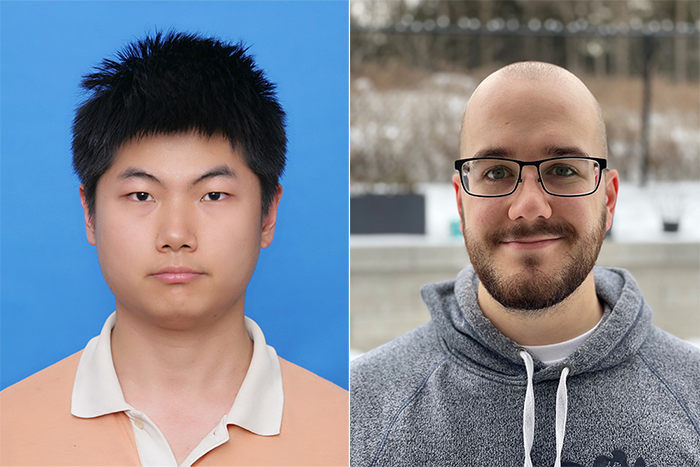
(490,177)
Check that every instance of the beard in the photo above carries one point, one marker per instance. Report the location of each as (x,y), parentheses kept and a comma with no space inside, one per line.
(527,287)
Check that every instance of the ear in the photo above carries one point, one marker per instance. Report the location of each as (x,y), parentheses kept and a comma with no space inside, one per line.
(457,185)
(270,219)
(89,220)
(612,185)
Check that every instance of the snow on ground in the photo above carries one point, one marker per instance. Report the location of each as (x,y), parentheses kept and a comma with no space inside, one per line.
(641,212)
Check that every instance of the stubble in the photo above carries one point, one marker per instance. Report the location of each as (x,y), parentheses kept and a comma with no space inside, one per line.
(529,288)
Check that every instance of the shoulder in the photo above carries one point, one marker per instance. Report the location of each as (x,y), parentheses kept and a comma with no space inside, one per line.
(310,398)
(36,425)
(409,357)
(671,354)
(676,365)
(315,417)
(383,381)
(47,388)
(303,386)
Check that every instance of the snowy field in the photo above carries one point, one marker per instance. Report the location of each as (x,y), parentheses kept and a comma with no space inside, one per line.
(641,212)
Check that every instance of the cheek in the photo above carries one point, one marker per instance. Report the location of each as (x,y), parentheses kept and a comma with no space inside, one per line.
(578,212)
(233,241)
(232,237)
(482,213)
(121,245)
(121,232)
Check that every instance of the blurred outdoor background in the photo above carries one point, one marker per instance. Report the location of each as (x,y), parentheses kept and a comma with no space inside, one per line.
(413,66)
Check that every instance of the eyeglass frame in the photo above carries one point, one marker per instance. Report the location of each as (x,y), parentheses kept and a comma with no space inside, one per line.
(603,163)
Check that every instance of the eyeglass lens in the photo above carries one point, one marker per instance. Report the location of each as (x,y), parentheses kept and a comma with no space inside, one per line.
(494,177)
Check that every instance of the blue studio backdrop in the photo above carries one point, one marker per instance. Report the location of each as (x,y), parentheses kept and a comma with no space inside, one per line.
(54,298)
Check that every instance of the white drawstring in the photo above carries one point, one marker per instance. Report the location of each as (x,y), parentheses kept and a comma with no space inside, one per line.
(529,411)
(562,407)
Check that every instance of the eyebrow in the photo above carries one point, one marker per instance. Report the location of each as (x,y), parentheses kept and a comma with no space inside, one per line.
(556,151)
(497,152)
(218,171)
(137,172)
(550,151)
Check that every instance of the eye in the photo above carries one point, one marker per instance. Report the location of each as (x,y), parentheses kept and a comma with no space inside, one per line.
(563,171)
(141,196)
(497,173)
(214,196)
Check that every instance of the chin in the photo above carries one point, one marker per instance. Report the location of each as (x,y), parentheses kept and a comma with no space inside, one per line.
(178,318)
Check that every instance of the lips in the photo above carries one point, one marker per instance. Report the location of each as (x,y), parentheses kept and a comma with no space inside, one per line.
(532,243)
(539,234)
(177,275)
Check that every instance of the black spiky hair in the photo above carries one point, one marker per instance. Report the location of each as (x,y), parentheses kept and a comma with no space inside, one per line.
(176,83)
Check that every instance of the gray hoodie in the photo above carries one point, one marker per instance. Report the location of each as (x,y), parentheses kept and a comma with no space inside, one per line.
(455,391)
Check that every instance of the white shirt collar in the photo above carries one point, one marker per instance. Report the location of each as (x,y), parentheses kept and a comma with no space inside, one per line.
(551,354)
(257,408)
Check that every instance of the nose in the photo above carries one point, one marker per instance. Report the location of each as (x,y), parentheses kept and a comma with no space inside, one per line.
(176,229)
(529,201)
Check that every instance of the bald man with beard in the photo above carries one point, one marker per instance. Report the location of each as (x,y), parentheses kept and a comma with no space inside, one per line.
(533,356)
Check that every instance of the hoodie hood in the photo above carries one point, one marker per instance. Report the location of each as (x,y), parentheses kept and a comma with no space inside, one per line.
(470,336)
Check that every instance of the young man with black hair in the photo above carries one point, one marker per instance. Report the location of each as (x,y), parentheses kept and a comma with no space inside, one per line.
(179,149)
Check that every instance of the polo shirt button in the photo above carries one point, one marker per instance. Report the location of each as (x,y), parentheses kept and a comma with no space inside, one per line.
(139,423)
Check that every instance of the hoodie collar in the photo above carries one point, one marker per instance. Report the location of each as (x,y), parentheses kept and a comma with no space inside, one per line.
(471,337)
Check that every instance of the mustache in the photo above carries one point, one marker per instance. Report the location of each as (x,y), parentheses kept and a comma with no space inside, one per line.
(541,227)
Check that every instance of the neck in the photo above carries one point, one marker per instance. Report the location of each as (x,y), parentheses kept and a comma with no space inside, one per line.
(202,362)
(578,313)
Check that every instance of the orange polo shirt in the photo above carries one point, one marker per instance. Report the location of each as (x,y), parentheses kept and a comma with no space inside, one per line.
(37,427)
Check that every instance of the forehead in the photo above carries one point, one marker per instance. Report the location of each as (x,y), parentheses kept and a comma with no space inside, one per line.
(526,116)
(177,156)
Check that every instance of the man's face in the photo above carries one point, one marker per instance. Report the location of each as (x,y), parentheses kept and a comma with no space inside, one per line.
(178,228)
(530,249)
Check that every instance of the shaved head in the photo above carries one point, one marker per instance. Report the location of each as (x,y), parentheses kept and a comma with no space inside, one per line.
(551,81)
